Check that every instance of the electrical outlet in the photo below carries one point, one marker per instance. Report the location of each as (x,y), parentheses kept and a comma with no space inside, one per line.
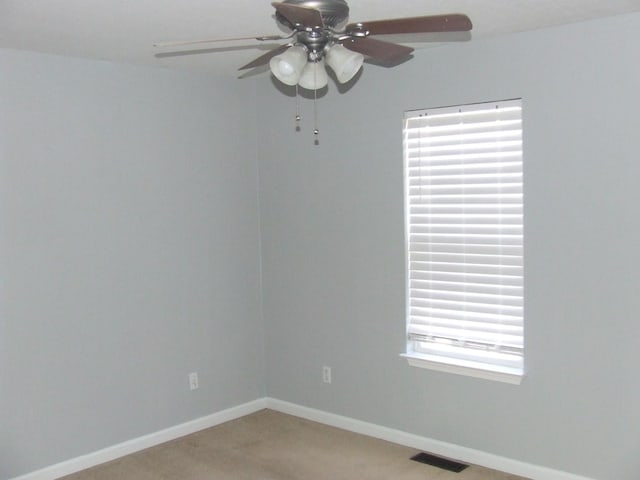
(326,374)
(193,381)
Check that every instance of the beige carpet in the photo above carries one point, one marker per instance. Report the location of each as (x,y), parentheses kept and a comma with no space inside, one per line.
(268,445)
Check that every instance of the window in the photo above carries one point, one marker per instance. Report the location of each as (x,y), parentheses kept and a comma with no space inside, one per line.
(464,239)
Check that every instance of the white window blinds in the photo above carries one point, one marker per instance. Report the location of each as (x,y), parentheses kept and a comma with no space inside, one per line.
(464,219)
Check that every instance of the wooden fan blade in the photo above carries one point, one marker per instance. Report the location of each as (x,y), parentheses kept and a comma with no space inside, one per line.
(455,22)
(263,59)
(296,15)
(377,48)
(262,38)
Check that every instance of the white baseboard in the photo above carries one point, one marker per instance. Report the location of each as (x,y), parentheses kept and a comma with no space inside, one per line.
(467,455)
(135,445)
(437,447)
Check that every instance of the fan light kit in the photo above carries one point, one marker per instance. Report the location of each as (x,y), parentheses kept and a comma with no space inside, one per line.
(320,38)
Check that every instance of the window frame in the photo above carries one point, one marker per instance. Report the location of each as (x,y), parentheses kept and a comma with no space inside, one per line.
(453,364)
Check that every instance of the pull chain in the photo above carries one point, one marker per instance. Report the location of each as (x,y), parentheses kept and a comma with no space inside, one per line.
(316,132)
(297,110)
(315,109)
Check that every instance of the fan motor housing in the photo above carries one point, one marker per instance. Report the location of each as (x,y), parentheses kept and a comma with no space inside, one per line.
(334,12)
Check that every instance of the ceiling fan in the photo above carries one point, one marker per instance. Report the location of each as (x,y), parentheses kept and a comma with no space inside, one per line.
(319,36)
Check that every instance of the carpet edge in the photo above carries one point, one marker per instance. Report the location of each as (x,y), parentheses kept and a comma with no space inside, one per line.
(437,447)
(127,447)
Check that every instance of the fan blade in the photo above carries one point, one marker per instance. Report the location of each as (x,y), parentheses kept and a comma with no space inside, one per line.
(263,59)
(262,38)
(296,15)
(435,23)
(377,48)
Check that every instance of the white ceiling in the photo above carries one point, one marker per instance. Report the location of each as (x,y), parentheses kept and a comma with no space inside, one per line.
(125,30)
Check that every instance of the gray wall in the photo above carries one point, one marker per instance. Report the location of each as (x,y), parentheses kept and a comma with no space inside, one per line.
(129,254)
(332,236)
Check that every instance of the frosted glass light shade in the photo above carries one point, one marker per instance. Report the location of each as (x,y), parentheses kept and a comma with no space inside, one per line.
(288,66)
(344,62)
(314,76)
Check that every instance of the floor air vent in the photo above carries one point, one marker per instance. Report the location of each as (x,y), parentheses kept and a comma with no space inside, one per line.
(439,462)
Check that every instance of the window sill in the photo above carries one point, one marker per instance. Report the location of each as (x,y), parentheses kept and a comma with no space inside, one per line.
(461,367)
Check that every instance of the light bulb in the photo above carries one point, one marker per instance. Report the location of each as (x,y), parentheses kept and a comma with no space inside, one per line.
(344,62)
(287,67)
(314,76)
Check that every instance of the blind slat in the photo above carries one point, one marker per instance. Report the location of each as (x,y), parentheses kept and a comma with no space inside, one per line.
(432,247)
(468,189)
(424,297)
(463,258)
(423,317)
(418,285)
